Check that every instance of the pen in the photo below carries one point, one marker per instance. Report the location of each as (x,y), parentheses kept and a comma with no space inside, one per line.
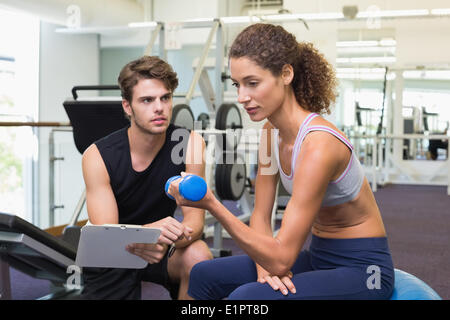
(172,249)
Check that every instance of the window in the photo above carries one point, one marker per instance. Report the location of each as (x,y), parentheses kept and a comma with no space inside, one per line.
(19,65)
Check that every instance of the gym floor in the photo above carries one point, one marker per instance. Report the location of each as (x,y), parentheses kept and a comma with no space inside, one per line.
(417,221)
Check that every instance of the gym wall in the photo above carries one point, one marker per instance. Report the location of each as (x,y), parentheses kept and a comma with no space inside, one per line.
(64,62)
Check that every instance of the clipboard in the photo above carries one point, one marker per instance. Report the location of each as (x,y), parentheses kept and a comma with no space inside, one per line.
(103,246)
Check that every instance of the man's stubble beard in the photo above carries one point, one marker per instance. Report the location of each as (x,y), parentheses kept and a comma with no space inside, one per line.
(140,126)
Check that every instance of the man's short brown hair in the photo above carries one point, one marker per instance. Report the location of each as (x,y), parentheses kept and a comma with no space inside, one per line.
(146,67)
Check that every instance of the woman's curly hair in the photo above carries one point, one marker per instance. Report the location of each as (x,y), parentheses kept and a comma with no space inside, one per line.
(271,47)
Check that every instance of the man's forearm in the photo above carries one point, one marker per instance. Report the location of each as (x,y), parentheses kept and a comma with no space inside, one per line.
(196,224)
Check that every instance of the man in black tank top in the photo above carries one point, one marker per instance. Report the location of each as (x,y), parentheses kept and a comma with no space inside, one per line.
(125,174)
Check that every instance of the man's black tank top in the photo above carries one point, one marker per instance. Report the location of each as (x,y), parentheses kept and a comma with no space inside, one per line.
(140,196)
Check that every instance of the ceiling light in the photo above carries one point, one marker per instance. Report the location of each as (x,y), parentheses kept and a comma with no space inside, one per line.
(333,15)
(356,43)
(361,70)
(428,74)
(199,20)
(240,19)
(440,12)
(366,60)
(322,16)
(147,24)
(365,76)
(281,17)
(387,42)
(393,13)
(367,43)
(285,17)
(350,50)
(360,76)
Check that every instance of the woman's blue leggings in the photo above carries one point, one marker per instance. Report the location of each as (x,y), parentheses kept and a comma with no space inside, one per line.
(331,269)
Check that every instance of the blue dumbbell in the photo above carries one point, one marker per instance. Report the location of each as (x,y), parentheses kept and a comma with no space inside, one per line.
(192,187)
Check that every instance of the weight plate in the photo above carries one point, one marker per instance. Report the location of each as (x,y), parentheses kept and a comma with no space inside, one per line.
(182,116)
(219,182)
(230,180)
(228,117)
(237,180)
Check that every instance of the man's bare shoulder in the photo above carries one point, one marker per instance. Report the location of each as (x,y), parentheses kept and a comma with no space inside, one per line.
(91,154)
(93,165)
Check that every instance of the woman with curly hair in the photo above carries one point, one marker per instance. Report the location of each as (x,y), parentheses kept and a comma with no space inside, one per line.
(290,84)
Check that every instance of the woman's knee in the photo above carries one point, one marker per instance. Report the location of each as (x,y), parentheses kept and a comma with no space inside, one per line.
(200,271)
(202,280)
(215,279)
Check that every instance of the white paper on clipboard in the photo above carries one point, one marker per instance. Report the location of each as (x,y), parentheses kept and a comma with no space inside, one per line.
(103,246)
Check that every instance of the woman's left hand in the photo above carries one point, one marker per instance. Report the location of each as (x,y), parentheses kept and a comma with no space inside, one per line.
(283,283)
(205,203)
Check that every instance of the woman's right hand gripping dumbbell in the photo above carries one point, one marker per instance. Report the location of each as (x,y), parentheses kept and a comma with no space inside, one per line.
(191,191)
